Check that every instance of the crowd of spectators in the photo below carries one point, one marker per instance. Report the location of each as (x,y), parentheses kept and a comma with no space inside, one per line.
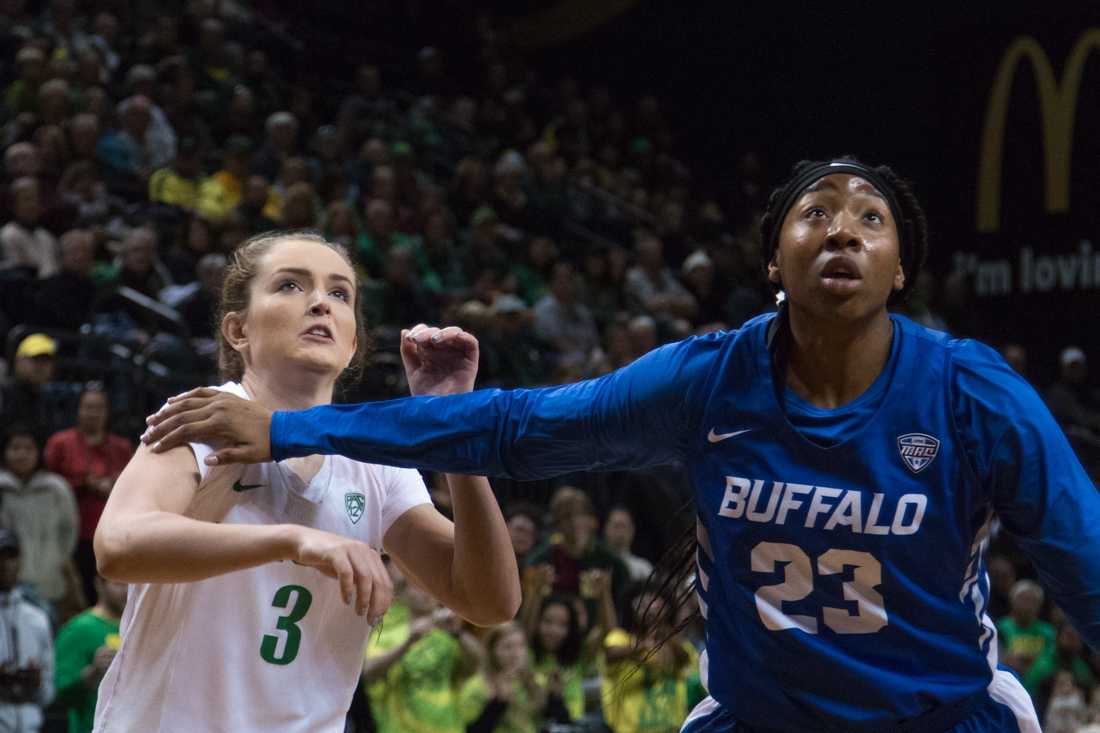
(552,220)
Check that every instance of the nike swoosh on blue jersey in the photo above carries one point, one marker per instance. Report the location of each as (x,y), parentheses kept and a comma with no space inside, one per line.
(714,437)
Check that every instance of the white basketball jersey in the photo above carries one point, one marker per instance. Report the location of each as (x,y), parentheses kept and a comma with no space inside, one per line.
(273,648)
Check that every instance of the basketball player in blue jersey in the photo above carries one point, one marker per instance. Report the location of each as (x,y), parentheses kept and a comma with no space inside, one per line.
(846,465)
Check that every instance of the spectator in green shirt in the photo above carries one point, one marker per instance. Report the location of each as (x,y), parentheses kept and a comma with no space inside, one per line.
(1028,642)
(85,647)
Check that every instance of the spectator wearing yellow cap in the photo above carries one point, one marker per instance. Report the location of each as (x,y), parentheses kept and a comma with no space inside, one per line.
(22,399)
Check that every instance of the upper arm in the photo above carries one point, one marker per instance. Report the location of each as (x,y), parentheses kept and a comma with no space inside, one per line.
(1036,485)
(154,482)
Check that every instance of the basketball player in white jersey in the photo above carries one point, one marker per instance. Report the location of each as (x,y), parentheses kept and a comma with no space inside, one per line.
(254,589)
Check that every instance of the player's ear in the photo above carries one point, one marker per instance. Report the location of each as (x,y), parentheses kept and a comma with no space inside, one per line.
(234,332)
(773,269)
(899,277)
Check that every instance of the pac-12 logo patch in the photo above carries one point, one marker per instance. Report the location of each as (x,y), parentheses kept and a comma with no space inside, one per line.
(917,450)
(354,502)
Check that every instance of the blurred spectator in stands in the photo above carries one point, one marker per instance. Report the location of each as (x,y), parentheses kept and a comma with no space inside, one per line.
(1016,356)
(468,188)
(199,308)
(161,39)
(652,288)
(1065,712)
(616,351)
(441,266)
(22,94)
(604,282)
(194,239)
(369,103)
(240,118)
(533,272)
(524,522)
(177,184)
(341,225)
(84,190)
(1002,577)
(292,171)
(222,192)
(408,182)
(578,550)
(563,321)
(507,696)
(1072,400)
(397,298)
(1069,655)
(26,647)
(104,39)
(160,136)
(83,131)
(299,210)
(485,247)
(85,647)
(558,646)
(90,458)
(64,300)
(253,204)
(508,197)
(700,279)
(642,331)
(280,143)
(415,667)
(22,160)
(129,153)
(139,269)
(27,247)
(53,102)
(649,676)
(263,82)
(514,356)
(39,506)
(618,534)
(31,396)
(1028,642)
(549,205)
(379,236)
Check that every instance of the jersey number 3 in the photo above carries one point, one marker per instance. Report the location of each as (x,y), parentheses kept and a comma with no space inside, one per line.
(870,615)
(287,623)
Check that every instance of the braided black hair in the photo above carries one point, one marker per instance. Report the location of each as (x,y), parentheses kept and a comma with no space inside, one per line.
(911,221)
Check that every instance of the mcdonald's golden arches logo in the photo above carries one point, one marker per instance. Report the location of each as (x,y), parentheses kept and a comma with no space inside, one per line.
(1058,109)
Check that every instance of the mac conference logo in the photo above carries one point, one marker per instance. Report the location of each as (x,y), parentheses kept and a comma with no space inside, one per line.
(1058,110)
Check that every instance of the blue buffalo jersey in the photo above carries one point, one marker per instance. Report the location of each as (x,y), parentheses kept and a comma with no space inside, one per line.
(841,560)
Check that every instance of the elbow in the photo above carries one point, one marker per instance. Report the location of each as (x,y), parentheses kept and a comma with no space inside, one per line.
(497,608)
(110,552)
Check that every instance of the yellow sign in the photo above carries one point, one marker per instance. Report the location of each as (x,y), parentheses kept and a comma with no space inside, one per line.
(1058,107)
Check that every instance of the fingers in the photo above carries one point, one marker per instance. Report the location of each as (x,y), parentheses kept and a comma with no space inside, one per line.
(198,392)
(237,454)
(155,433)
(382,592)
(345,574)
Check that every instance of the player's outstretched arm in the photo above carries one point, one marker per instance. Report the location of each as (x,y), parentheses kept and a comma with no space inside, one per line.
(142,537)
(642,415)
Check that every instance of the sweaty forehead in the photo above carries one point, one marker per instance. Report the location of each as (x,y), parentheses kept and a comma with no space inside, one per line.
(843,183)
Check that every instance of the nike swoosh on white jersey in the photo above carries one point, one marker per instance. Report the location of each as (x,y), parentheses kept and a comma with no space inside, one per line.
(714,437)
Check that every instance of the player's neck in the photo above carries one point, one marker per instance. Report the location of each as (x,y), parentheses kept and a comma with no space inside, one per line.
(288,392)
(830,364)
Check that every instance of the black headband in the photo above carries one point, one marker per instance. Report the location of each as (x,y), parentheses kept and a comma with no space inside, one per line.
(798,184)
